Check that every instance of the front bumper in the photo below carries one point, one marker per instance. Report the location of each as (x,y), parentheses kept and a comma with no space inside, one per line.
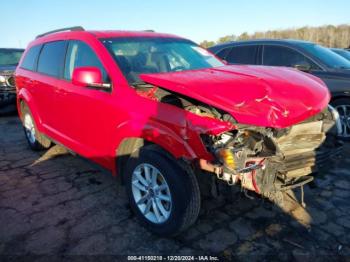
(299,155)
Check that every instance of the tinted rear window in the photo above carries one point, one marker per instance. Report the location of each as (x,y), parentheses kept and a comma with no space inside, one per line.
(51,58)
(242,55)
(31,57)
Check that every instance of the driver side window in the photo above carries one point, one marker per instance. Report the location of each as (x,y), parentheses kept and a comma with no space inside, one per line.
(80,54)
(284,56)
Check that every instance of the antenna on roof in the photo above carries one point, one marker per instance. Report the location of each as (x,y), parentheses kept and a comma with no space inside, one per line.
(73,28)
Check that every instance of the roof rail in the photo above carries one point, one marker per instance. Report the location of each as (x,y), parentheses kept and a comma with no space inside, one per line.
(73,28)
(149,30)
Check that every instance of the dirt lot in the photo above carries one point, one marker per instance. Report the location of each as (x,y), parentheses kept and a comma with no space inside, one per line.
(55,203)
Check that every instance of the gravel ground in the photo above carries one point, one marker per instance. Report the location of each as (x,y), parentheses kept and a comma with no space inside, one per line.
(53,203)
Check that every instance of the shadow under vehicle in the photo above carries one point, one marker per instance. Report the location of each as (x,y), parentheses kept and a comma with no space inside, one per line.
(9,58)
(333,69)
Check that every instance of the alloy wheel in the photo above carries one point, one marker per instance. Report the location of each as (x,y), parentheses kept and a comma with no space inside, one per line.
(344,113)
(29,128)
(151,193)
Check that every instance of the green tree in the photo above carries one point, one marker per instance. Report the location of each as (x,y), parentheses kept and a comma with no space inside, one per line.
(327,35)
(227,38)
(206,44)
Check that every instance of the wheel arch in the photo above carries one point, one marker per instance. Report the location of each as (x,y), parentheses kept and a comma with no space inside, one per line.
(130,145)
(25,98)
(338,96)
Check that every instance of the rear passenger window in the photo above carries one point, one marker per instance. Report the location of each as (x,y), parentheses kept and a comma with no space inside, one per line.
(243,55)
(80,54)
(51,58)
(31,57)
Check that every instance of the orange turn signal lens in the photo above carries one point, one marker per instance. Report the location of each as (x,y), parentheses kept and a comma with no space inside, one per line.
(227,157)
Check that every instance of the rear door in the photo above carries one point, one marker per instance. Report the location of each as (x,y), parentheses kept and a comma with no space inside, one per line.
(25,78)
(49,70)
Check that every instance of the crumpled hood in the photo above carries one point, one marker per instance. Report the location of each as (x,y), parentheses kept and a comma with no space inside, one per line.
(255,95)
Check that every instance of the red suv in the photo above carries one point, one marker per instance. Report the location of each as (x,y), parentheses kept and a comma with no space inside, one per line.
(163,113)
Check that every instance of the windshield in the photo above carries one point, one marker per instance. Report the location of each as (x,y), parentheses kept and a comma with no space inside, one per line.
(343,53)
(136,56)
(10,57)
(328,57)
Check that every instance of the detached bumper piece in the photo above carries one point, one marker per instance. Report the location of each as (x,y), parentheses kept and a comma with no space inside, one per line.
(304,149)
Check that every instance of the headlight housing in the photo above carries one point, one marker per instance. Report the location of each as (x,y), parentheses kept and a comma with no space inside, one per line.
(2,79)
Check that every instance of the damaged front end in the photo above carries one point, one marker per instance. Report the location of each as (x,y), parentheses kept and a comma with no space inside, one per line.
(269,161)
(281,127)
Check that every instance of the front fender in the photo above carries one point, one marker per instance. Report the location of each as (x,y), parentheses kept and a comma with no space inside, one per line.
(156,133)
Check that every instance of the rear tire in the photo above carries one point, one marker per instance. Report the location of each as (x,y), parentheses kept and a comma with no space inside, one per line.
(178,201)
(35,139)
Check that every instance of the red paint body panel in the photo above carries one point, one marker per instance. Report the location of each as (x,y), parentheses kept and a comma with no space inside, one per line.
(260,96)
(93,123)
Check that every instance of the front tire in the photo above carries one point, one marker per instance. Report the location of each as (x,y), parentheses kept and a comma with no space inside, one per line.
(164,196)
(35,139)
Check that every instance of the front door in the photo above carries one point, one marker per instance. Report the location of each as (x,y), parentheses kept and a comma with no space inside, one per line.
(87,114)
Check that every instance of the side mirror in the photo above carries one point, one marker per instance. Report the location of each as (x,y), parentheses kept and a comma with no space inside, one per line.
(89,77)
(303,67)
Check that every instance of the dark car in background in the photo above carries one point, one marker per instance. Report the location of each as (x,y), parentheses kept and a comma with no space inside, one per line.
(342,52)
(333,69)
(9,58)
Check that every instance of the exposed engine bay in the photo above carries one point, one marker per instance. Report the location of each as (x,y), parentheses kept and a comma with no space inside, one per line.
(262,159)
(269,161)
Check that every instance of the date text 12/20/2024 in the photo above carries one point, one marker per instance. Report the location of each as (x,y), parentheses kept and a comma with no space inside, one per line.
(173,258)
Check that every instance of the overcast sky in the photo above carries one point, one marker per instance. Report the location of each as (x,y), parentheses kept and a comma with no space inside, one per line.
(198,20)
